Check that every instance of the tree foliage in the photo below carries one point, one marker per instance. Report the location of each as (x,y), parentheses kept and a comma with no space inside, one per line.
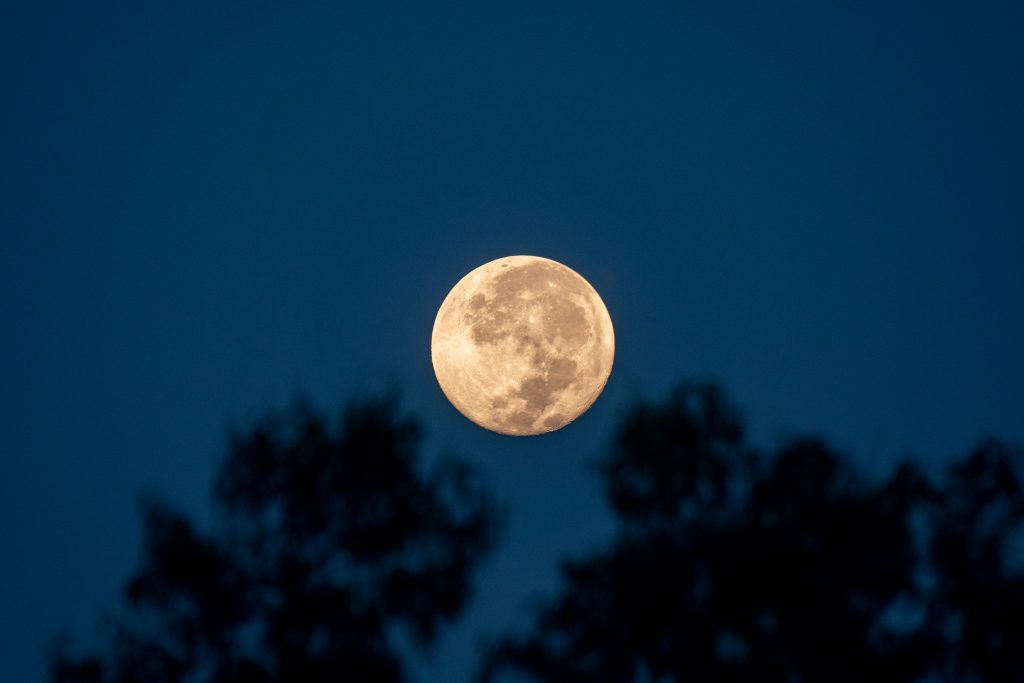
(733,565)
(328,540)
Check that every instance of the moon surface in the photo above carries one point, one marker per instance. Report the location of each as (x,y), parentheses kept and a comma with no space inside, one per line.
(522,345)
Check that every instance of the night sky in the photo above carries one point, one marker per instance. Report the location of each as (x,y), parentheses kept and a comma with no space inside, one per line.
(207,210)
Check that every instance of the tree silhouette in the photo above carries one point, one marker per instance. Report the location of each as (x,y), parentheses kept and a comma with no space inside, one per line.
(729,565)
(327,541)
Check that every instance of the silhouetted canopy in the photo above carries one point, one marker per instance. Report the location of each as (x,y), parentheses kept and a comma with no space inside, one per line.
(730,565)
(328,540)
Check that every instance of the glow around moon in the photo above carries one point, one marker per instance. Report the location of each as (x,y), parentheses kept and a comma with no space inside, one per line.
(522,345)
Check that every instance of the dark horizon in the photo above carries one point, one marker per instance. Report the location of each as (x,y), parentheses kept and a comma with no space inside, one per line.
(205,210)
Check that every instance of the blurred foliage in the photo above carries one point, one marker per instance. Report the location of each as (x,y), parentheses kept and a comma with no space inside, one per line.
(332,545)
(734,565)
(328,542)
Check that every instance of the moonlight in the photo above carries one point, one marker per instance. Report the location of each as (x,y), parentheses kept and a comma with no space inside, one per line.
(522,345)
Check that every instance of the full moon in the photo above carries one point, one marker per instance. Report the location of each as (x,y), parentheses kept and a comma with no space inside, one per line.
(522,345)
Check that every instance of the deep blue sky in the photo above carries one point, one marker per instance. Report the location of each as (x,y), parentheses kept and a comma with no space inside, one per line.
(204,210)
